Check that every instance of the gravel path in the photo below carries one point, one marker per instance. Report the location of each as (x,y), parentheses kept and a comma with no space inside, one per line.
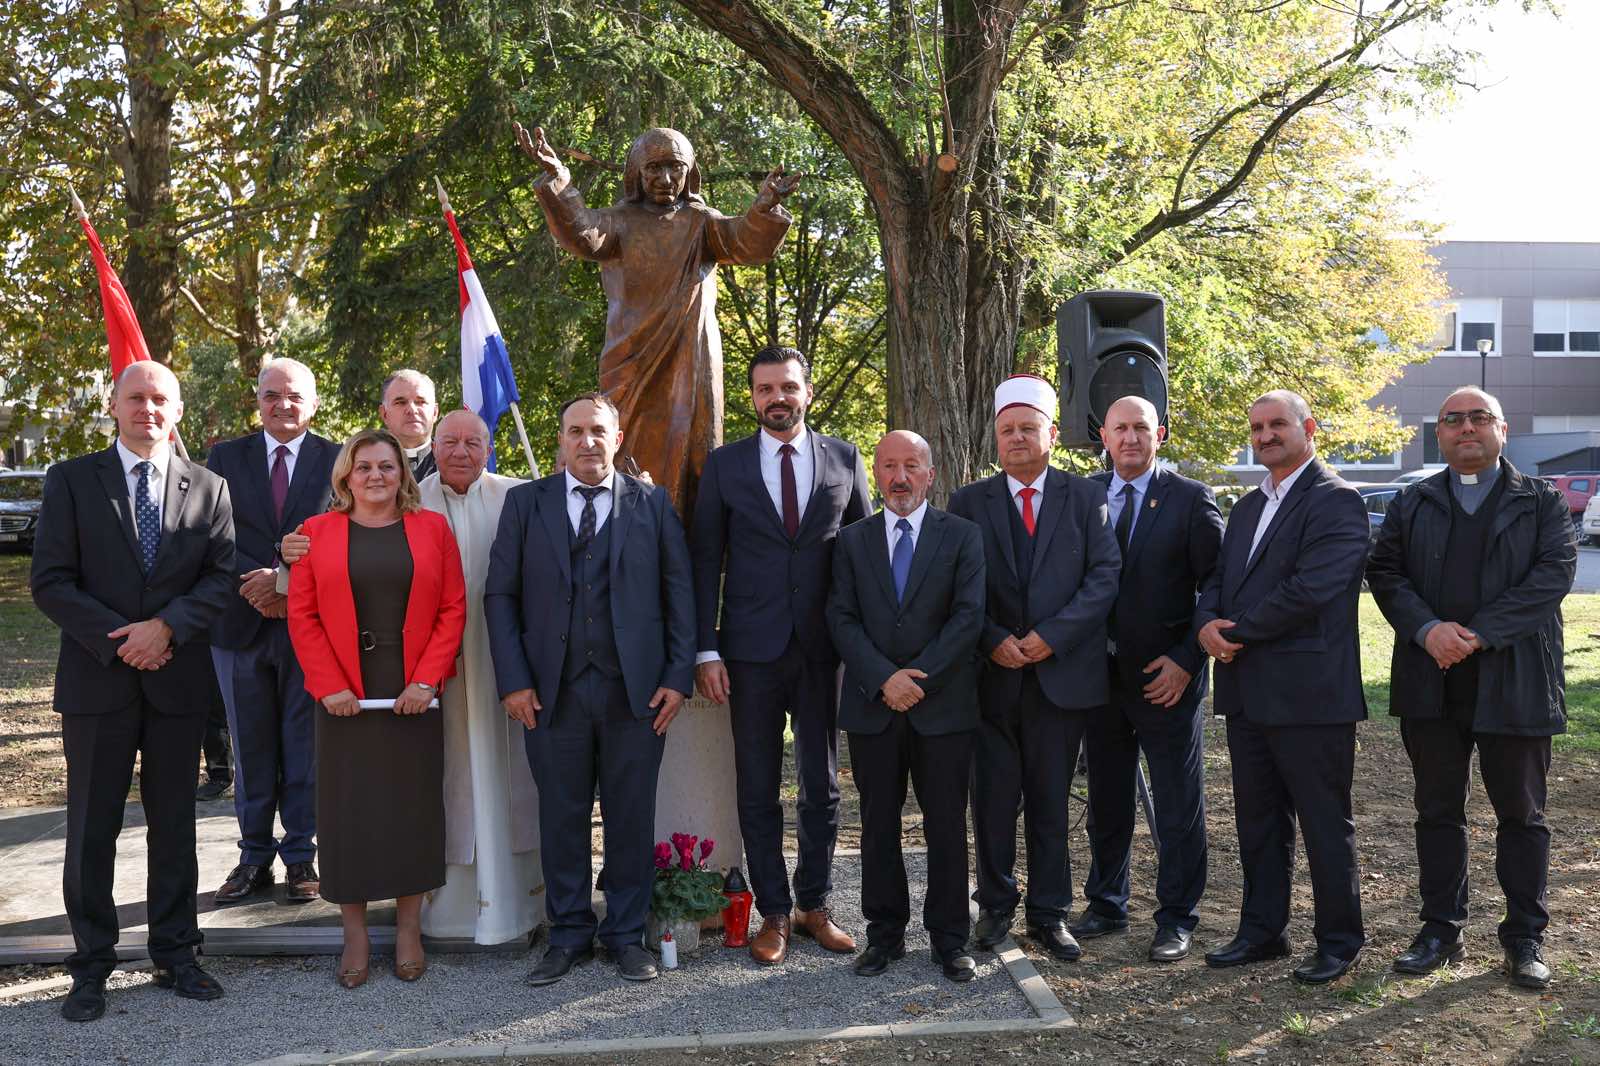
(278,1006)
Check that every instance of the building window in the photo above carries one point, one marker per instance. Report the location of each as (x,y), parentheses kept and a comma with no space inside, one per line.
(1430,443)
(1566,326)
(1466,323)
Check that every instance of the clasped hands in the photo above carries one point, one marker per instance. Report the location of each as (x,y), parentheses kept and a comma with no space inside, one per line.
(1215,644)
(1015,652)
(260,590)
(901,692)
(523,706)
(148,645)
(1450,643)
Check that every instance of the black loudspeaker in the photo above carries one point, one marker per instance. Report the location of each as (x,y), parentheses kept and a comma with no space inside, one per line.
(1111,344)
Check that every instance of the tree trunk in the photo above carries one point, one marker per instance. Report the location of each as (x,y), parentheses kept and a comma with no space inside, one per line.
(151,272)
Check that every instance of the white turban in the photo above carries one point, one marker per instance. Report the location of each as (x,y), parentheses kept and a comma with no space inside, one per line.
(1028,390)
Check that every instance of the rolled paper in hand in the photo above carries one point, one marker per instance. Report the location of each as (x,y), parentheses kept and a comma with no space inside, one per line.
(388,705)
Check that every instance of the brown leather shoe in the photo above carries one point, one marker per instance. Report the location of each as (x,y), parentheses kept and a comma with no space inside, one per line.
(818,925)
(771,945)
(301,883)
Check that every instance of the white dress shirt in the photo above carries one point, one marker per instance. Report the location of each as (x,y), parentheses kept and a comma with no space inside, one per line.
(1141,486)
(1038,492)
(1275,495)
(602,501)
(289,459)
(772,468)
(158,478)
(893,535)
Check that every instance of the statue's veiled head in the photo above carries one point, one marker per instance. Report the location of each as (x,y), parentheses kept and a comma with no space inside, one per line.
(661,168)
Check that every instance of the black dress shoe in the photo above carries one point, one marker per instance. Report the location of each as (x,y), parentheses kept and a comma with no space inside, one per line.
(556,963)
(1428,953)
(877,957)
(991,928)
(1171,944)
(1092,924)
(1525,965)
(1241,952)
(189,981)
(244,882)
(1320,968)
(86,1001)
(1056,939)
(212,789)
(634,963)
(301,883)
(958,966)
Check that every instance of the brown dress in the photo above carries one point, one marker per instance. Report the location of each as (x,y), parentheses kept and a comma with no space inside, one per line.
(380,775)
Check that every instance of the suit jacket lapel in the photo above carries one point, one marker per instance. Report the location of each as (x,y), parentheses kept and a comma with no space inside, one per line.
(1055,502)
(172,504)
(927,547)
(819,462)
(999,499)
(1297,494)
(1246,513)
(304,463)
(553,509)
(625,497)
(750,463)
(257,478)
(878,554)
(1149,514)
(116,486)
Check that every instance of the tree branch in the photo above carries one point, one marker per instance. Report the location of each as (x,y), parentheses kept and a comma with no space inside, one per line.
(231,334)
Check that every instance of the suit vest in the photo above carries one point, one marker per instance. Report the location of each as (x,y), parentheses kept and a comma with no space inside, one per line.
(591,640)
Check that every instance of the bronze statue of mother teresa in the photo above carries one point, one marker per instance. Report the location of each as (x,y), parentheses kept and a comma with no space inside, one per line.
(658,250)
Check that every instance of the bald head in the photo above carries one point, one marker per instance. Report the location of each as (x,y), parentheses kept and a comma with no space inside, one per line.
(461,448)
(1131,433)
(146,403)
(459,422)
(902,465)
(1471,430)
(1462,398)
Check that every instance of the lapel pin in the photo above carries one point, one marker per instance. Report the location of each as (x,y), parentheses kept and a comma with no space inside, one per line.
(183,484)
(1153,503)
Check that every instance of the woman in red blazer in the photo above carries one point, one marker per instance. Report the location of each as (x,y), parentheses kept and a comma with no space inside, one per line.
(376,611)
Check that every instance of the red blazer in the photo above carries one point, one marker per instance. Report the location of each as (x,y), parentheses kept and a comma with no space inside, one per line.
(322,609)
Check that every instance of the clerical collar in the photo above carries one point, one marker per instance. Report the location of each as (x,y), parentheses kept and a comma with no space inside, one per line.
(413,454)
(1483,478)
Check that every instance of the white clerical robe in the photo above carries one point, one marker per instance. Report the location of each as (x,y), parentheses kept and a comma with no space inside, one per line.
(494,887)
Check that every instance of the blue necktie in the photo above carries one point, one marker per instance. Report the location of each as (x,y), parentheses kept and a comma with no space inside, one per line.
(900,561)
(148,518)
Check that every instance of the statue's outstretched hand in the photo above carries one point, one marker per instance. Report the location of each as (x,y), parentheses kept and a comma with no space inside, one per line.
(536,148)
(775,188)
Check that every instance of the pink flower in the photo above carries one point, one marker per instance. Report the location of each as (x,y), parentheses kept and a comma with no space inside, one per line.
(705,848)
(663,855)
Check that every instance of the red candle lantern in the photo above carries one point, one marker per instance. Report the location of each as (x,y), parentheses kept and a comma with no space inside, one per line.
(736,915)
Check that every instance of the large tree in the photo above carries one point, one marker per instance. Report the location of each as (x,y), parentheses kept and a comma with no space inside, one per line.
(1014,150)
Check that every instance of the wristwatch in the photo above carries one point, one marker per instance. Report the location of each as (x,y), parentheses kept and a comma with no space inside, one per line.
(423,685)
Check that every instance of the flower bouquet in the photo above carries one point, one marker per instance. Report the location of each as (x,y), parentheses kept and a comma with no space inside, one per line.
(686,891)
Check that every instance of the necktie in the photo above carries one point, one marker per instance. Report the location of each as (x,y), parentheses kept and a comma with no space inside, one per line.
(586,521)
(791,495)
(148,518)
(1027,508)
(280,481)
(900,561)
(1125,518)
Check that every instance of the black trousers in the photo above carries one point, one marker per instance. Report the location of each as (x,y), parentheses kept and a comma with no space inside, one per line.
(274,727)
(938,768)
(591,739)
(215,745)
(100,750)
(1284,773)
(1025,752)
(804,694)
(1172,740)
(1514,769)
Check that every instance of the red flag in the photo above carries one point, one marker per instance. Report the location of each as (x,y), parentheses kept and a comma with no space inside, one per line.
(122,325)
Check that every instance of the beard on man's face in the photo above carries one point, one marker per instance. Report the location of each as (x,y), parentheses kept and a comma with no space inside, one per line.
(782,416)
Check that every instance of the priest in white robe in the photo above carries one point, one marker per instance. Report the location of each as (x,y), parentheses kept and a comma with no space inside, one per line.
(494,889)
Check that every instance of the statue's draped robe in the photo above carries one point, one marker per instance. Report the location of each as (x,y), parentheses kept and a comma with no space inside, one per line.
(662,360)
(493,883)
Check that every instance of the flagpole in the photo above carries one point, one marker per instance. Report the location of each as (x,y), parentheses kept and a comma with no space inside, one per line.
(83,218)
(516,412)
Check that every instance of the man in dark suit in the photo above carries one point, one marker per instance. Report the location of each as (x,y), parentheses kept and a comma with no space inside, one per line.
(1051,564)
(1279,615)
(278,478)
(1169,530)
(134,561)
(768,511)
(595,674)
(408,406)
(1470,568)
(905,613)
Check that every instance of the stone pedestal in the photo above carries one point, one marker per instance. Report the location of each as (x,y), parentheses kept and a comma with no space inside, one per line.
(695,793)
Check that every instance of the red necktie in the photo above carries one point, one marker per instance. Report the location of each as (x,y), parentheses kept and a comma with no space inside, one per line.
(1027,495)
(791,495)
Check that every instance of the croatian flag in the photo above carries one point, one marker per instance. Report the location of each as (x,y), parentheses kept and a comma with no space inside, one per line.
(487,383)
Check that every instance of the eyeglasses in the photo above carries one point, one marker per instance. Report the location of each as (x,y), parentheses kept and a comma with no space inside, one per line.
(1480,417)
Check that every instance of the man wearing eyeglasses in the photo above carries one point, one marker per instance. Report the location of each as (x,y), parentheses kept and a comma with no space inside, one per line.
(1470,568)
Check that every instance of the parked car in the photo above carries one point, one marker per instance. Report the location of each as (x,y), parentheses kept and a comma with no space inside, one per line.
(21,495)
(1578,487)
(1589,532)
(1378,498)
(1415,475)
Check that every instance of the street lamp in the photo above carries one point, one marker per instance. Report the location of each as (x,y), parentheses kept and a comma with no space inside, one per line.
(1485,346)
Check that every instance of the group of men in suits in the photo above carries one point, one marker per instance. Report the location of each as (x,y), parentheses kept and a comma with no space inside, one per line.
(981,644)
